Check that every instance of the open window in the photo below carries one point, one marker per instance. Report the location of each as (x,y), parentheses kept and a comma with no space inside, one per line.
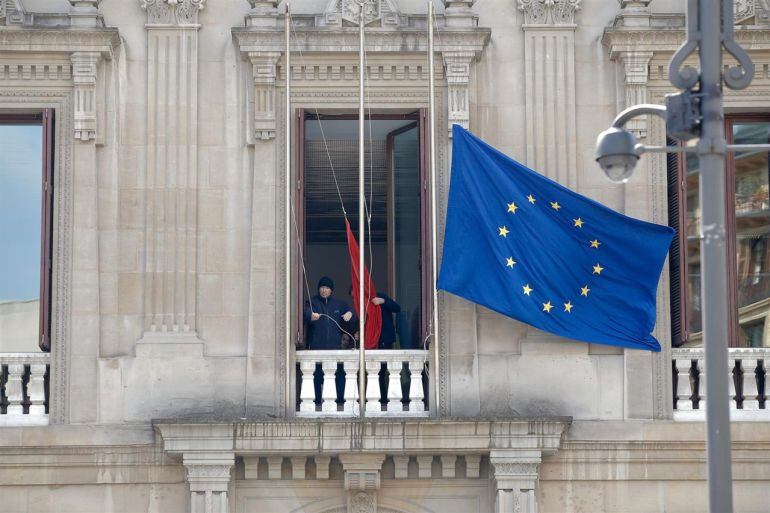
(26,211)
(397,248)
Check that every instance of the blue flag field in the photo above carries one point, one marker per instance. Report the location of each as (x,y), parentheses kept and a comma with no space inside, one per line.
(531,249)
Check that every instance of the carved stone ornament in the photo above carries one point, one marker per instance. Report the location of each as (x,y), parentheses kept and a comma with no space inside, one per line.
(348,11)
(362,502)
(172,12)
(549,12)
(742,10)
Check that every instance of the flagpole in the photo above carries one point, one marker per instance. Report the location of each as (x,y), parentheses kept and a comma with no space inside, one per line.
(361,320)
(433,224)
(287,221)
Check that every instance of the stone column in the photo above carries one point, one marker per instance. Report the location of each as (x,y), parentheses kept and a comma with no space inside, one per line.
(362,480)
(263,65)
(172,166)
(636,67)
(209,478)
(549,49)
(458,73)
(515,474)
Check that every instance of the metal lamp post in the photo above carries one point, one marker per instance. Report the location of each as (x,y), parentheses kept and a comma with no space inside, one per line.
(689,114)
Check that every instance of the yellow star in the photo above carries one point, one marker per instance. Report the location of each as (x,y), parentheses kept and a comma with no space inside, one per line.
(584,291)
(512,207)
(555,205)
(568,307)
(578,222)
(595,243)
(531,199)
(510,262)
(527,289)
(503,231)
(547,307)
(598,269)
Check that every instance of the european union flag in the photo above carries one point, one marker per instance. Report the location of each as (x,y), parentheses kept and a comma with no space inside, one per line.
(531,249)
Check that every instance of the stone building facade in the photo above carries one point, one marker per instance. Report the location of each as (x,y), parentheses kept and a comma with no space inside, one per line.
(169,385)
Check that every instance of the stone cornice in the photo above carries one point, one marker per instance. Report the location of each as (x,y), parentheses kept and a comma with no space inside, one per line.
(103,41)
(430,436)
(667,40)
(345,40)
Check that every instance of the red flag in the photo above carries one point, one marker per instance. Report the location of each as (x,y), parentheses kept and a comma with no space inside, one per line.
(373,315)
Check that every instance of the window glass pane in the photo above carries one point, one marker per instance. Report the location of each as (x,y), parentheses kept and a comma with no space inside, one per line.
(692,229)
(752,231)
(20,230)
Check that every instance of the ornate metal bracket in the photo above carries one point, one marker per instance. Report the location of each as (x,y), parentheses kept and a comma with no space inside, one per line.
(685,77)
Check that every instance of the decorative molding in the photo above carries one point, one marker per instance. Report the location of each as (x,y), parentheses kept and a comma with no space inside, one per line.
(506,469)
(172,12)
(347,12)
(209,481)
(84,75)
(35,71)
(458,73)
(668,40)
(636,74)
(549,12)
(44,40)
(264,73)
(742,10)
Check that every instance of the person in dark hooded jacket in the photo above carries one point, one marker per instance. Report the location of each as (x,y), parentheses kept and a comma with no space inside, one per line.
(326,317)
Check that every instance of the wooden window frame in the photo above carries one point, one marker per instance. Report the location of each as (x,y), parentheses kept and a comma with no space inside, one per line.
(678,219)
(45,119)
(298,170)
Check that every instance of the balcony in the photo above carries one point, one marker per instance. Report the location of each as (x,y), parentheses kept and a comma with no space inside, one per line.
(395,383)
(747,367)
(23,389)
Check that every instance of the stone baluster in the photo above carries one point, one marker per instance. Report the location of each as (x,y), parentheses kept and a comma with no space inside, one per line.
(732,395)
(329,389)
(307,392)
(416,393)
(13,389)
(701,368)
(394,385)
(36,389)
(750,391)
(373,394)
(683,385)
(351,387)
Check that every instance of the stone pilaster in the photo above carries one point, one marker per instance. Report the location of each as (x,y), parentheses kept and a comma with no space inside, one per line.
(263,13)
(458,73)
(636,73)
(264,73)
(362,480)
(515,474)
(549,49)
(84,13)
(172,165)
(459,13)
(209,478)
(84,75)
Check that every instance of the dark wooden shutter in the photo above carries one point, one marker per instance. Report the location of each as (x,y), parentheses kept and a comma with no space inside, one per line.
(46,232)
(677,253)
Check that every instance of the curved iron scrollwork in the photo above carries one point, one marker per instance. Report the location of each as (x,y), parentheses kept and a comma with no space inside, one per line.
(685,77)
(737,77)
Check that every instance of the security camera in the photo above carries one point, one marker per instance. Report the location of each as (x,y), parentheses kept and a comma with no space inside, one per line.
(616,153)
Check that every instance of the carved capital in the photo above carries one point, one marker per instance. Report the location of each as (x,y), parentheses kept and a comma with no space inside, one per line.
(549,12)
(172,12)
(458,73)
(263,66)
(84,75)
(209,478)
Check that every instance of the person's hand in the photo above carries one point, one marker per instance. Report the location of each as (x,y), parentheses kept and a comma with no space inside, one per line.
(315,316)
(378,301)
(347,316)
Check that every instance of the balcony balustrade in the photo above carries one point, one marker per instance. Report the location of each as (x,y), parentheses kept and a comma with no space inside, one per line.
(395,383)
(23,389)
(748,371)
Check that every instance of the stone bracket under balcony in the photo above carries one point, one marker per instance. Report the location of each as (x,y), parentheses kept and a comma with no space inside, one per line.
(360,454)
